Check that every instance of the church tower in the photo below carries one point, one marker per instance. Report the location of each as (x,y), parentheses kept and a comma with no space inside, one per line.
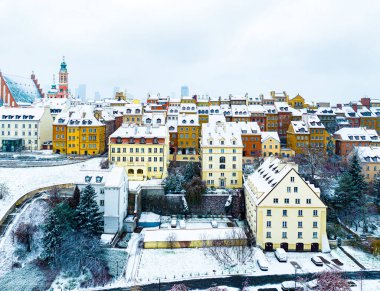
(63,85)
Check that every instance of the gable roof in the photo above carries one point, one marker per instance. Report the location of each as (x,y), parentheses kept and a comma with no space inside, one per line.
(23,89)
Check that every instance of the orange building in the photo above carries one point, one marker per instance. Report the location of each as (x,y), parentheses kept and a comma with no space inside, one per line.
(251,139)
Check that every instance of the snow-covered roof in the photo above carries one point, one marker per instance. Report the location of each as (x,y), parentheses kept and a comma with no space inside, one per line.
(270,109)
(358,134)
(188,107)
(364,112)
(312,121)
(368,154)
(133,109)
(172,125)
(137,131)
(193,234)
(349,112)
(249,128)
(23,89)
(154,118)
(221,134)
(82,115)
(266,177)
(300,127)
(188,120)
(282,106)
(375,111)
(325,111)
(269,134)
(240,111)
(256,108)
(20,113)
(112,177)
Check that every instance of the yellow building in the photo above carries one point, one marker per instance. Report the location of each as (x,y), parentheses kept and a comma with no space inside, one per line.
(133,113)
(270,144)
(368,119)
(297,102)
(309,133)
(222,153)
(188,134)
(142,150)
(370,161)
(283,210)
(78,132)
(272,118)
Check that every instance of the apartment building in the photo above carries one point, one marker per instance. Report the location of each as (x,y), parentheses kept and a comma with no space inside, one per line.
(188,134)
(142,150)
(370,161)
(24,128)
(221,153)
(283,210)
(111,187)
(270,144)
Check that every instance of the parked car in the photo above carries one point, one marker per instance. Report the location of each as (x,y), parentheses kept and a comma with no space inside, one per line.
(281,255)
(214,224)
(352,283)
(262,262)
(317,261)
(312,285)
(350,236)
(182,224)
(173,223)
(291,286)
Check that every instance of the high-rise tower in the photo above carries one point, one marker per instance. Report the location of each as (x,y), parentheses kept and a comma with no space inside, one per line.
(63,85)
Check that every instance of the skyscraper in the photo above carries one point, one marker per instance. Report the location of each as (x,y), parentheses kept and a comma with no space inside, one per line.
(81,92)
(97,95)
(184,91)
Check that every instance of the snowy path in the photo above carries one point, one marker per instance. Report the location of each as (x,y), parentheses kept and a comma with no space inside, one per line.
(134,254)
(23,180)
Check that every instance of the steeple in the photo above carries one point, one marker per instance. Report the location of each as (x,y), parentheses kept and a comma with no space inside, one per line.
(63,65)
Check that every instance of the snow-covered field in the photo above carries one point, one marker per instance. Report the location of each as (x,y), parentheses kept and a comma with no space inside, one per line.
(369,261)
(189,263)
(23,180)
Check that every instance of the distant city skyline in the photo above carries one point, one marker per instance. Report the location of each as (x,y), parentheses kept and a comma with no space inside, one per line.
(314,48)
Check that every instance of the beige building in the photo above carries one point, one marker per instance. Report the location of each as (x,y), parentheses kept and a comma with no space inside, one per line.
(24,128)
(370,161)
(270,144)
(222,153)
(283,210)
(142,150)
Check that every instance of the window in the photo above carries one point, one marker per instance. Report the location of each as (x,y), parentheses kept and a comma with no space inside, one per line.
(299,224)
(315,212)
(295,189)
(269,224)
(284,234)
(210,158)
(210,151)
(269,212)
(286,200)
(292,179)
(299,234)
(288,189)
(101,202)
(300,213)
(308,201)
(222,151)
(222,160)
(275,200)
(210,174)
(234,158)
(284,212)
(315,224)
(284,224)
(269,235)
(315,234)
(298,201)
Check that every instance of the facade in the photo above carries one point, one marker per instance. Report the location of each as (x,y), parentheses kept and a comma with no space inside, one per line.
(24,128)
(78,132)
(188,134)
(251,139)
(284,119)
(348,138)
(297,102)
(111,187)
(222,150)
(270,144)
(133,114)
(283,210)
(142,150)
(18,91)
(370,161)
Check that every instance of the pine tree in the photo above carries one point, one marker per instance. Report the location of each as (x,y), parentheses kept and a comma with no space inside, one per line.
(89,218)
(359,185)
(343,192)
(74,201)
(376,189)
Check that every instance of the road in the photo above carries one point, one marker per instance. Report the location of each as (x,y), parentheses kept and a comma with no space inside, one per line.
(237,281)
(134,254)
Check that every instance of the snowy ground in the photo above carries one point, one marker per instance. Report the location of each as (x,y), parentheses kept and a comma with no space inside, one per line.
(34,212)
(189,263)
(23,180)
(369,261)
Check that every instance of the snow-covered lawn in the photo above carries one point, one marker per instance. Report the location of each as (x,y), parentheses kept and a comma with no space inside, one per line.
(23,180)
(369,261)
(186,263)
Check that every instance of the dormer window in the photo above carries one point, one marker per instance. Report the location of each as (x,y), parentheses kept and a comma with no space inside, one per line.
(87,179)
(155,140)
(131,140)
(99,179)
(171,128)
(118,140)
(159,120)
(142,140)
(148,120)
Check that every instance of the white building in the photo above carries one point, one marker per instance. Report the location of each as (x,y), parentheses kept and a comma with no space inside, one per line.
(111,187)
(24,128)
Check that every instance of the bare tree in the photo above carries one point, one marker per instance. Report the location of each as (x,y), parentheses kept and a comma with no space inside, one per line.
(54,196)
(231,251)
(24,235)
(179,287)
(104,164)
(333,281)
(4,191)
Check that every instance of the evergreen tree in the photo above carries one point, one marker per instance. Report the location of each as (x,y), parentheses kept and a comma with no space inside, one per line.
(376,189)
(343,192)
(74,201)
(359,185)
(89,218)
(60,221)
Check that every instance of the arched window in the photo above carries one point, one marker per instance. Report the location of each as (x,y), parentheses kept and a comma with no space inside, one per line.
(131,171)
(159,120)
(140,172)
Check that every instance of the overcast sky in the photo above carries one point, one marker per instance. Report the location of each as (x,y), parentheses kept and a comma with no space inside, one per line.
(325,50)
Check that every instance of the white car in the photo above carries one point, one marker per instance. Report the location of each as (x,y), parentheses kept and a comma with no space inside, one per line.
(173,223)
(281,255)
(317,261)
(214,224)
(263,264)
(291,286)
(182,224)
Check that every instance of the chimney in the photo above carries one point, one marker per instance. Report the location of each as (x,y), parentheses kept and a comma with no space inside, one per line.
(33,76)
(355,107)
(339,105)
